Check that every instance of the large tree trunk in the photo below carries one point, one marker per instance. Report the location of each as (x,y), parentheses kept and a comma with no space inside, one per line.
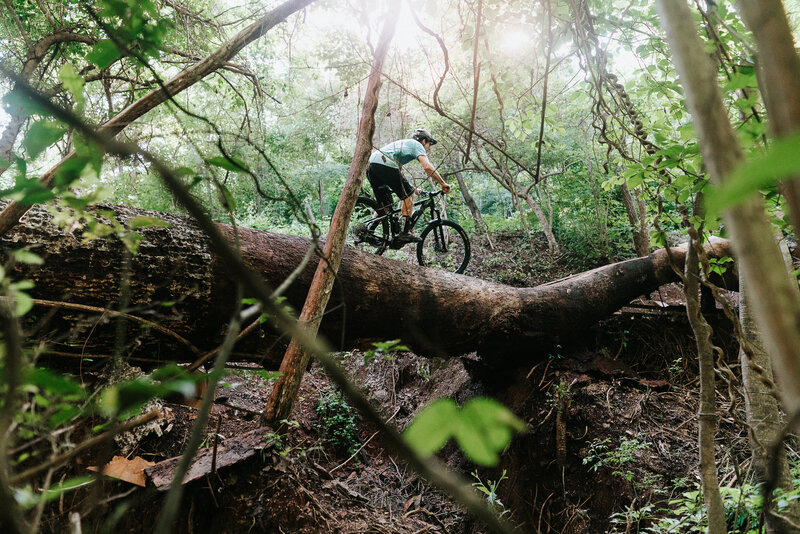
(434,312)
(763,410)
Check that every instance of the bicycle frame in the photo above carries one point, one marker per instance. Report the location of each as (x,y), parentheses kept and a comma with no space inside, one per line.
(420,207)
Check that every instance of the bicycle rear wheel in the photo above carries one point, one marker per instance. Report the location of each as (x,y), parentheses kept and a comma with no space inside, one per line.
(367,231)
(451,254)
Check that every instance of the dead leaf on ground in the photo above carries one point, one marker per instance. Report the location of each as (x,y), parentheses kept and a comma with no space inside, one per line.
(128,470)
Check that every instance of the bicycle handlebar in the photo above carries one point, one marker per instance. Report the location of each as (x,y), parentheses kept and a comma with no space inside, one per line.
(424,193)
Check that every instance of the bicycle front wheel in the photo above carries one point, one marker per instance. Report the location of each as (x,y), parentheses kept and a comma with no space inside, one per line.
(445,246)
(367,231)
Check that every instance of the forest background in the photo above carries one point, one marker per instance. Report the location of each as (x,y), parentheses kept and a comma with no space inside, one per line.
(565,118)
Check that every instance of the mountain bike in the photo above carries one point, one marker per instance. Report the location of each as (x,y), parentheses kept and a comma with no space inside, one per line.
(442,244)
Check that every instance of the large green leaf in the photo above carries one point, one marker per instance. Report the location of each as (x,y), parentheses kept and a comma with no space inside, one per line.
(229,164)
(26,498)
(482,428)
(145,221)
(486,429)
(55,383)
(23,104)
(103,54)
(744,77)
(780,162)
(433,427)
(73,82)
(472,439)
(41,135)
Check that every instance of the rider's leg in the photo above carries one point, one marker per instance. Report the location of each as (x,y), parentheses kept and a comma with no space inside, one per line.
(381,190)
(408,206)
(407,209)
(408,203)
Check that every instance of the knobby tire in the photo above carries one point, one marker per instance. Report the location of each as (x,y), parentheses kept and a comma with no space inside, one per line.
(365,235)
(453,257)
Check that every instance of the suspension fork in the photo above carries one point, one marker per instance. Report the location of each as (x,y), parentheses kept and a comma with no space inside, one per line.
(440,244)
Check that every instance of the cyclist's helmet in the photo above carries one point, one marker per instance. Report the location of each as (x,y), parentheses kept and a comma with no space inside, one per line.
(421,134)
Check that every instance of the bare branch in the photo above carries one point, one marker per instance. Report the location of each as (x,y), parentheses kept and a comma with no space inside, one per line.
(476,70)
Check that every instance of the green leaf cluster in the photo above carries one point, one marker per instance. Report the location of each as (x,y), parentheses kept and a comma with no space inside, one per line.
(482,428)
(761,171)
(134,24)
(384,350)
(337,421)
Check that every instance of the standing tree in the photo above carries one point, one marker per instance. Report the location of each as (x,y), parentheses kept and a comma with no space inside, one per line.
(283,396)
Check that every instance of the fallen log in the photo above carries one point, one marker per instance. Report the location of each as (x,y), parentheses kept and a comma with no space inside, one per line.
(206,461)
(178,282)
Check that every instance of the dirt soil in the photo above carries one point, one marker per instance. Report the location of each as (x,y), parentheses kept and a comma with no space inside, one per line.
(631,388)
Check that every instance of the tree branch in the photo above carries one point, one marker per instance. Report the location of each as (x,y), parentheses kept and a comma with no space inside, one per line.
(186,78)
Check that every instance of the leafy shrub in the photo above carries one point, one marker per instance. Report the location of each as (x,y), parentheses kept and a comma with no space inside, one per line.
(687,513)
(337,421)
(602,454)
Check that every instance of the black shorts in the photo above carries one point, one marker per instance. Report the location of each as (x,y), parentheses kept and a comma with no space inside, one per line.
(386,180)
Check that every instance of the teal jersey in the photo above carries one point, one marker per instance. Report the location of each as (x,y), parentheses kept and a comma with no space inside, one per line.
(398,153)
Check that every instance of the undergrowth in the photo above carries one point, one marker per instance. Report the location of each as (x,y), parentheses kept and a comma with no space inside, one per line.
(337,421)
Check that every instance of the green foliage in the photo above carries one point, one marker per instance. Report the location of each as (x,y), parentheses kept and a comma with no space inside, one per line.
(602,455)
(482,428)
(56,399)
(337,420)
(423,369)
(384,350)
(127,398)
(41,135)
(133,24)
(719,265)
(490,490)
(103,54)
(229,164)
(763,170)
(74,83)
(269,376)
(687,512)
(27,498)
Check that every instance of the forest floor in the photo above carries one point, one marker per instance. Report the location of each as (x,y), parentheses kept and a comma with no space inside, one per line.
(612,433)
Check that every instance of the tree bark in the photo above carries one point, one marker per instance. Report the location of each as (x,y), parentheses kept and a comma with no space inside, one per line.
(178,282)
(546,222)
(641,240)
(763,409)
(707,416)
(480,224)
(186,78)
(295,361)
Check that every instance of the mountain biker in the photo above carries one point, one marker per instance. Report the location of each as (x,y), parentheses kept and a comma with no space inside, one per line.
(384,175)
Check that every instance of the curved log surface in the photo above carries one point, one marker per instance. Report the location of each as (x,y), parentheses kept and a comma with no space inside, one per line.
(180,283)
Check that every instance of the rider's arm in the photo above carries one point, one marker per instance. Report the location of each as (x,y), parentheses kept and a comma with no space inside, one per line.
(430,171)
